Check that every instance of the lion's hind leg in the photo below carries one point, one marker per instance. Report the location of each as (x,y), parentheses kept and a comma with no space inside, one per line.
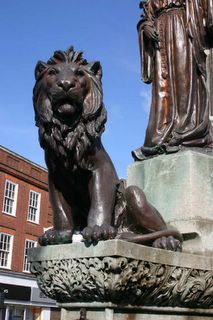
(146,225)
(143,215)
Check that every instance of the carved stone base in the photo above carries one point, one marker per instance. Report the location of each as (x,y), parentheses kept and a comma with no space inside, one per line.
(180,186)
(123,273)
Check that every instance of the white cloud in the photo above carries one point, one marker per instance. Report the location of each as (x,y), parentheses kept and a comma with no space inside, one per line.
(145,94)
(117,112)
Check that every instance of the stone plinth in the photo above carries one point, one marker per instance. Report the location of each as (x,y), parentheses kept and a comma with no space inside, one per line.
(117,273)
(108,311)
(180,186)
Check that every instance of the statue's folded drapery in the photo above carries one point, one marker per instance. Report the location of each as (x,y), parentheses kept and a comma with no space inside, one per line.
(176,65)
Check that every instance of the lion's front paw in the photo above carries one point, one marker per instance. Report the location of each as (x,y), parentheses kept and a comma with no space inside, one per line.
(53,236)
(97,233)
(168,243)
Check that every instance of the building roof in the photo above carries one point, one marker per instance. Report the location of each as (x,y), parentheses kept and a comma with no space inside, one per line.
(22,158)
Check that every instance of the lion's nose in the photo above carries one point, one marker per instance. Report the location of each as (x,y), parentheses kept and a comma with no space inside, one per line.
(66,85)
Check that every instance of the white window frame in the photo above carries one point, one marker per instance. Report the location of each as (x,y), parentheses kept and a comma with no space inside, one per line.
(37,215)
(14,199)
(10,252)
(26,263)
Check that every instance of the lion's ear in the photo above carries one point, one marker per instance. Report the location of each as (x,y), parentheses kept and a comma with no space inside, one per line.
(40,67)
(96,69)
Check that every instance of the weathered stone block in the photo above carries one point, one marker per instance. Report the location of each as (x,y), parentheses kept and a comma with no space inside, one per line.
(108,311)
(180,186)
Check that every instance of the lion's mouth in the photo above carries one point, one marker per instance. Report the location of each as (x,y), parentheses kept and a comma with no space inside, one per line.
(66,105)
(66,108)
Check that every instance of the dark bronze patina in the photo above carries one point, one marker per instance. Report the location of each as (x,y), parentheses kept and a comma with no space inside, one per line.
(173,35)
(85,192)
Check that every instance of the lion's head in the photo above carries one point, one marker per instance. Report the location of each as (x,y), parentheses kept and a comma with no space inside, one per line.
(68,104)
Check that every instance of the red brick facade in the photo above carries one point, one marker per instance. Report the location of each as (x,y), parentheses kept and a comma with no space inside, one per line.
(28,176)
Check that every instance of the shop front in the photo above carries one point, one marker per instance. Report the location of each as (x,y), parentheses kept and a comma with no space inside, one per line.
(24,303)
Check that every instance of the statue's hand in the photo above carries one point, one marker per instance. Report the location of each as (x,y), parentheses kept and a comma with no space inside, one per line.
(150,31)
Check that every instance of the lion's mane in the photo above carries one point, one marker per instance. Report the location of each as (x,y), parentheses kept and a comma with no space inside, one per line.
(69,142)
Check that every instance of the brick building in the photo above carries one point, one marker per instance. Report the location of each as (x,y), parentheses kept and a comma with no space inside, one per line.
(25,213)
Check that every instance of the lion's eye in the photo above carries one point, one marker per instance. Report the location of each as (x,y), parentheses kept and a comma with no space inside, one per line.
(52,72)
(79,73)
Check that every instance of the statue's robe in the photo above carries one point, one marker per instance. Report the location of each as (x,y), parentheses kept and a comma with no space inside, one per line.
(179,114)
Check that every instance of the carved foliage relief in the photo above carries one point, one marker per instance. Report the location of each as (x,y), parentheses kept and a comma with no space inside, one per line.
(122,280)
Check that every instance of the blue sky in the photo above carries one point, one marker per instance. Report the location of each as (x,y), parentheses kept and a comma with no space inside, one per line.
(106,31)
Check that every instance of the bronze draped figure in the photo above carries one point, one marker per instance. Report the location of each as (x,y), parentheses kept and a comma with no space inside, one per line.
(173,36)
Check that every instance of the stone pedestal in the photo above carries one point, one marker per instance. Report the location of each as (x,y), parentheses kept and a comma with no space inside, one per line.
(119,280)
(115,312)
(180,186)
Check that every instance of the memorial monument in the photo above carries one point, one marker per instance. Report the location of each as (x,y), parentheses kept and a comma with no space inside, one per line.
(117,268)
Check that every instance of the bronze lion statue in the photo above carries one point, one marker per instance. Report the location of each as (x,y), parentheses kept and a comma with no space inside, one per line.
(85,193)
